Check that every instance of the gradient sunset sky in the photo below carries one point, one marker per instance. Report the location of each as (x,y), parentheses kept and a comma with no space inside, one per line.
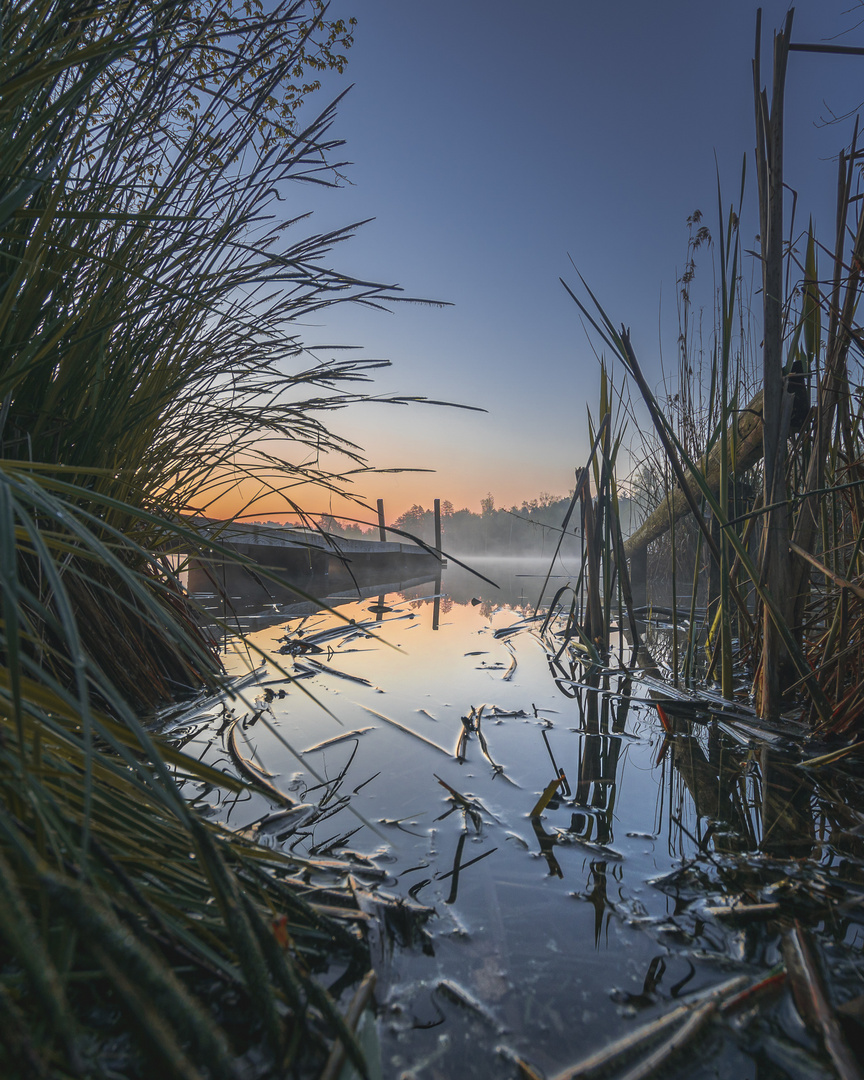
(492,142)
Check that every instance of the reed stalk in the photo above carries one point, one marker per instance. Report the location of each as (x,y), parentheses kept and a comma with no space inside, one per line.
(805,585)
(729,254)
(149,297)
(776,568)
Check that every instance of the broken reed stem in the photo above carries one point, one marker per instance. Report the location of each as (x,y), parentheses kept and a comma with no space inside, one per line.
(775,568)
(604,1060)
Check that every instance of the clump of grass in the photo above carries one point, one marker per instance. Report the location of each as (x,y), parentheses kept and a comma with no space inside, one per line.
(149,294)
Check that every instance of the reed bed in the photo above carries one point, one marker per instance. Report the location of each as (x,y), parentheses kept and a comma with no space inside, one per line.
(758,467)
(149,292)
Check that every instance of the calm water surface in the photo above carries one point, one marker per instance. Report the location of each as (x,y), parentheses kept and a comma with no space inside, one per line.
(547,935)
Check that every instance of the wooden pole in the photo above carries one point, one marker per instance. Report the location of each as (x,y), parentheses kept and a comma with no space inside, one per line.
(437,505)
(382,531)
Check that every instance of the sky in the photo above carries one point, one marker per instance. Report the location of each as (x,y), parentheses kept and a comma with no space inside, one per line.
(499,147)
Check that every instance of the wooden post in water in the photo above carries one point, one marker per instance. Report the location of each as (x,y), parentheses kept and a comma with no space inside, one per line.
(436,604)
(382,531)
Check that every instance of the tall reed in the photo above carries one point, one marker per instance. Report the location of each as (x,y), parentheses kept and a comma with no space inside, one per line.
(799,620)
(149,293)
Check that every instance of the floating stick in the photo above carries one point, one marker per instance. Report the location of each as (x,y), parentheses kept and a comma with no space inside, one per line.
(338,739)
(407,730)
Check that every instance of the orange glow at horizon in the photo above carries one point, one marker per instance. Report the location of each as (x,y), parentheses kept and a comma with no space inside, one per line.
(251,501)
(412,463)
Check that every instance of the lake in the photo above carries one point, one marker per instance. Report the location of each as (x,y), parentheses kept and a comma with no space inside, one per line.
(432,720)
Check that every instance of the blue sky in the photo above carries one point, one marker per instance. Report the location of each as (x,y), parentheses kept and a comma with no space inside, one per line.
(492,141)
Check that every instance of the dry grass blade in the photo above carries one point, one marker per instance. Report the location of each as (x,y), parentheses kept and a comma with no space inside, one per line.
(659,1059)
(823,569)
(612,1055)
(352,1018)
(337,739)
(407,730)
(148,310)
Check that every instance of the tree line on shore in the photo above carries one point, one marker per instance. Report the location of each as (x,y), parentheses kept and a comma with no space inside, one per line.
(531,528)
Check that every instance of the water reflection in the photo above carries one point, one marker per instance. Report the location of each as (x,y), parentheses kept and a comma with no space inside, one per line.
(577,854)
(229,606)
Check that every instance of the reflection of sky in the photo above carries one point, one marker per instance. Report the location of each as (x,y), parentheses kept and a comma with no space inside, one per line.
(508,918)
(490,141)
(562,928)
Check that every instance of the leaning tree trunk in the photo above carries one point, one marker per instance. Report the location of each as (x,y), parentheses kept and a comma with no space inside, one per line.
(748,450)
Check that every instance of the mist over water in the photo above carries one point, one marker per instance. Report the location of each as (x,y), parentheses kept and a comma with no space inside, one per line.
(519,579)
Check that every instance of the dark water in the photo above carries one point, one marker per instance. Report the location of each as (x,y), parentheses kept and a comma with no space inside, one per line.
(547,935)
